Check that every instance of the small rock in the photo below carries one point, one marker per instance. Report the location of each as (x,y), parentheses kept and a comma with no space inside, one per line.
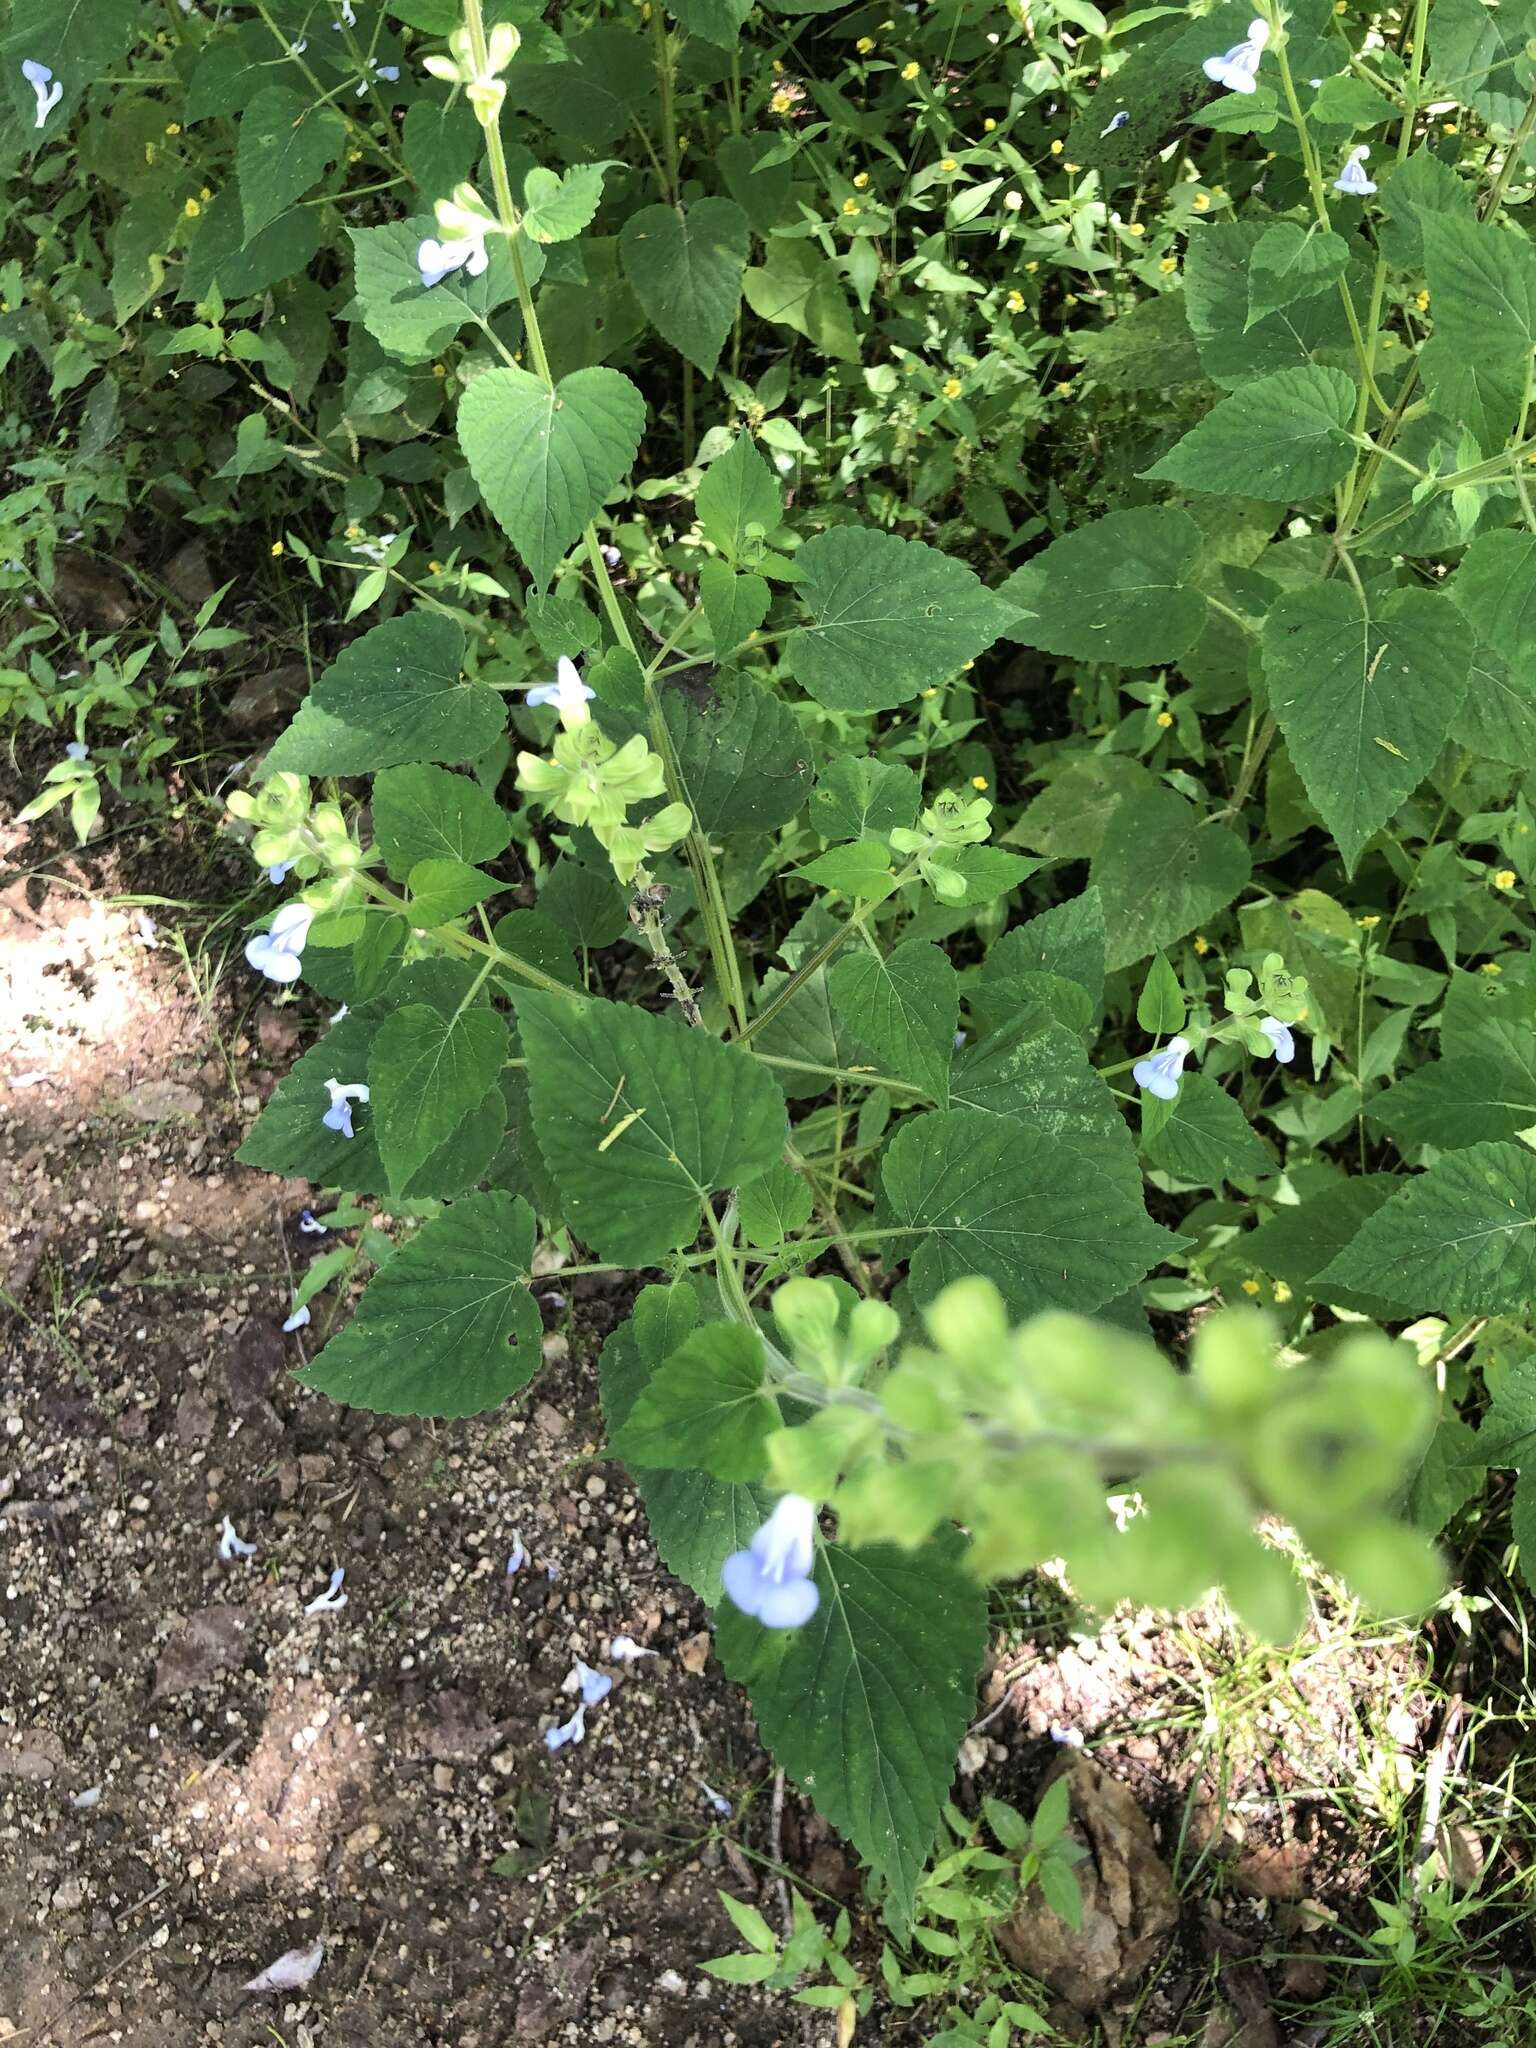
(442,1777)
(253,1362)
(99,599)
(200,1649)
(194,1418)
(188,574)
(277,1032)
(70,1895)
(262,700)
(694,1654)
(153,1101)
(549,1421)
(30,1753)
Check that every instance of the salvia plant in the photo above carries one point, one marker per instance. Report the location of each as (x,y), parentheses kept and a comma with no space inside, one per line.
(1116,1180)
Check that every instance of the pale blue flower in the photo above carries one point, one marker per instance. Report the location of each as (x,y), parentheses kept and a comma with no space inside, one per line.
(311,1225)
(574,1730)
(434,259)
(279,872)
(625,1650)
(297,49)
(1280,1037)
(772,1580)
(77,750)
(717,1800)
(568,693)
(612,556)
(276,951)
(1119,121)
(1352,180)
(298,1319)
(592,1685)
(49,90)
(1159,1072)
(1069,1738)
(519,1555)
(230,1545)
(343,1094)
(332,1600)
(1237,68)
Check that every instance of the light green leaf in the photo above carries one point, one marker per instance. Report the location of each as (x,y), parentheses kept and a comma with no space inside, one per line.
(393,696)
(1160,1008)
(399,311)
(890,617)
(1216,273)
(1204,1138)
(426,1073)
(557,206)
(545,460)
(738,493)
(718,21)
(1053,1227)
(798,287)
(987,871)
(857,797)
(734,606)
(442,890)
(1282,437)
(1460,1239)
(1482,284)
(1497,719)
(1456,1102)
(422,813)
(861,869)
(639,1119)
(448,1326)
(1290,262)
(1364,698)
(706,1408)
(840,1711)
(903,1006)
(1161,871)
(285,145)
(696,1520)
(1298,1241)
(1119,589)
(685,266)
(773,1207)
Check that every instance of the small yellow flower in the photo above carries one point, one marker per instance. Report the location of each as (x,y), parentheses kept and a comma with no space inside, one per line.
(1250,1287)
(435,568)
(1506,878)
(850,206)
(1422,301)
(988,125)
(276,548)
(1165,719)
(1202,944)
(1202,202)
(191,210)
(439,369)
(1064,387)
(967,666)
(1368,923)
(206,192)
(1032,266)
(1071,167)
(354,156)
(864,45)
(781,103)
(1449,128)
(952,387)
(1389,341)
(1069,298)
(1492,967)
(1015,302)
(778,63)
(1168,265)
(930,693)
(910,71)
(1057,148)
(980,782)
(173,127)
(861,180)
(354,532)
(948,165)
(1282,1291)
(1136,227)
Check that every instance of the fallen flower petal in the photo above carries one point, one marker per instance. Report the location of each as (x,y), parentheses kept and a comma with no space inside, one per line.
(291,1972)
(519,1555)
(717,1800)
(625,1650)
(311,1226)
(574,1730)
(230,1545)
(332,1600)
(593,1685)
(298,1319)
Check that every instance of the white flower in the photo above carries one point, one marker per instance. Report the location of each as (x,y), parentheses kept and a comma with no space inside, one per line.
(592,1685)
(1159,1072)
(772,1580)
(519,1555)
(337,1015)
(343,1094)
(1280,1037)
(434,259)
(230,1545)
(568,693)
(717,1800)
(1069,1738)
(625,1650)
(1352,179)
(332,1600)
(276,951)
(298,1319)
(291,1972)
(347,15)
(574,1730)
(311,1225)
(1237,68)
(49,89)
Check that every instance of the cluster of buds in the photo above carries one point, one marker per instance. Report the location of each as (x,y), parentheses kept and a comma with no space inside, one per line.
(482,84)
(950,821)
(1261,1021)
(293,836)
(464,220)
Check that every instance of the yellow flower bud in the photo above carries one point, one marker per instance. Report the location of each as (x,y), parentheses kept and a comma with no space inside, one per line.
(1015,302)
(864,45)
(1168,265)
(850,206)
(861,180)
(191,210)
(980,782)
(1057,148)
(1165,719)
(276,548)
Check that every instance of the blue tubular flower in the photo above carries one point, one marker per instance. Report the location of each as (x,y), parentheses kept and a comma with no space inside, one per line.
(568,693)
(592,1685)
(1280,1036)
(772,1580)
(574,1730)
(279,872)
(435,259)
(77,750)
(343,1094)
(276,952)
(1159,1072)
(49,90)
(230,1544)
(332,1600)
(311,1225)
(1237,68)
(297,1320)
(1118,121)
(1352,180)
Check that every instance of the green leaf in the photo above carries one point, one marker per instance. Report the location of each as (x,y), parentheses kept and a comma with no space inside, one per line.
(1481,55)
(706,1408)
(1459,1239)
(685,265)
(1482,284)
(1149,348)
(1067,940)
(289,1137)
(1297,1242)
(718,21)
(1041,1076)
(1448,1474)
(1119,589)
(399,311)
(1364,698)
(735,606)
(987,871)
(220,259)
(862,869)
(798,287)
(393,696)
(750,1924)
(856,797)
(584,903)
(1482,392)
(1283,437)
(442,890)
(696,1520)
(1457,1102)
(78,40)
(1160,1008)
(1053,1227)
(285,145)
(772,1208)
(1162,871)
(422,813)
(1205,1139)
(1290,262)
(448,1326)
(426,1073)
(738,493)
(1497,719)
(839,1709)
(890,617)
(1423,183)
(557,206)
(1495,590)
(743,760)
(1216,272)
(904,1007)
(639,1119)
(545,460)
